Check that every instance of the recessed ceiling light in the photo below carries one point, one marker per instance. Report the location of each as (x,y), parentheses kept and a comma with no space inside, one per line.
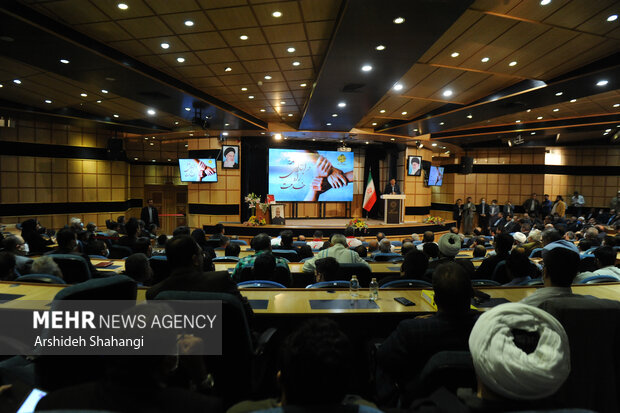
(98,101)
(601,82)
(441,123)
(532,133)
(251,97)
(573,100)
(397,86)
(433,144)
(191,134)
(262,110)
(243,89)
(169,159)
(559,94)
(392,139)
(17,81)
(48,101)
(283,103)
(296,63)
(186,145)
(366,68)
(556,110)
(104,91)
(342,104)
(374,124)
(122,6)
(415,130)
(403,113)
(227,124)
(616,105)
(146,139)
(447,93)
(469,116)
(188,109)
(367,142)
(539,118)
(180,59)
(484,59)
(382,111)
(224,133)
(64,61)
(267,77)
(329,124)
(608,130)
(151,112)
(513,63)
(83,95)
(135,159)
(277,136)
(243,37)
(334,115)
(290,114)
(189,23)
(545,2)
(277,14)
(115,115)
(455,54)
(176,122)
(291,50)
(380,47)
(152,144)
(303,85)
(612,18)
(164,45)
(518,121)
(398,20)
(313,140)
(529,110)
(227,69)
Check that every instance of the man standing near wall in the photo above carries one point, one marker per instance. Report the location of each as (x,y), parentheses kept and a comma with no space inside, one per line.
(149,214)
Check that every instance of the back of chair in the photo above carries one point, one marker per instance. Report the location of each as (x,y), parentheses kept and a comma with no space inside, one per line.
(74,267)
(299,243)
(260,284)
(40,278)
(407,283)
(597,279)
(533,281)
(593,329)
(118,287)
(499,269)
(290,255)
(484,283)
(397,243)
(225,258)
(161,268)
(238,242)
(363,272)
(119,251)
(386,256)
(536,253)
(329,284)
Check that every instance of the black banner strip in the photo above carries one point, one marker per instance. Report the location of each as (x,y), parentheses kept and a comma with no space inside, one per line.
(214,209)
(52,151)
(539,169)
(417,210)
(53,208)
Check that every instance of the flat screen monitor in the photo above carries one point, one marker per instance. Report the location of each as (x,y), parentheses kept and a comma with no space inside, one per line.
(198,170)
(297,175)
(435,177)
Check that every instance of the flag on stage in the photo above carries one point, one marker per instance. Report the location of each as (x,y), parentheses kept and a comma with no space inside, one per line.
(370,196)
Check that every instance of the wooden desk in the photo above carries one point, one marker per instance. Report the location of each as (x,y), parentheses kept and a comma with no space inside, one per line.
(295,267)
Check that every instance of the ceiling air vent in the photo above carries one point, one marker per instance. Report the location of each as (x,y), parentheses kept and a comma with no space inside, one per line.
(352,88)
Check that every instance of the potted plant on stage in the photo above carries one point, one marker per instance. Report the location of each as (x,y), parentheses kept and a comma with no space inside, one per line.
(433,220)
(360,226)
(252,199)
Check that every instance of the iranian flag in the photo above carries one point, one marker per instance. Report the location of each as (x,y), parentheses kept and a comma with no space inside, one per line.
(370,195)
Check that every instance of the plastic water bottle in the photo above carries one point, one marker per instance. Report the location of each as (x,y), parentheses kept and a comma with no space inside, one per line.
(354,286)
(374,289)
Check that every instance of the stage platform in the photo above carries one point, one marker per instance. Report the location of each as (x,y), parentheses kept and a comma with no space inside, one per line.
(331,226)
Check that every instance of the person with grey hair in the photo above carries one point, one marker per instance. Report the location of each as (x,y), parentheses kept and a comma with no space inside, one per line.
(137,267)
(415,237)
(46,265)
(18,247)
(385,246)
(339,250)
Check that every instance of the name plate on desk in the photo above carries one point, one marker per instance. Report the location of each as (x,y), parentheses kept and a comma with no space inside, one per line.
(359,304)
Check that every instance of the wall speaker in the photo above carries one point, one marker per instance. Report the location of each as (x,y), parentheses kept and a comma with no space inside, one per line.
(467,165)
(115,150)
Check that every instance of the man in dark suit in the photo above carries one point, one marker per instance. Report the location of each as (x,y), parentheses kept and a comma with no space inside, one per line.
(511,225)
(392,187)
(498,222)
(509,209)
(67,244)
(185,260)
(483,215)
(149,214)
(532,206)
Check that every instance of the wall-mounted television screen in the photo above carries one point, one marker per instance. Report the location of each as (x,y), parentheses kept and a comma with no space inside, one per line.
(297,175)
(198,170)
(435,177)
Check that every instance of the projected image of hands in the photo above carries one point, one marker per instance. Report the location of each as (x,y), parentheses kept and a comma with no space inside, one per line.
(326,178)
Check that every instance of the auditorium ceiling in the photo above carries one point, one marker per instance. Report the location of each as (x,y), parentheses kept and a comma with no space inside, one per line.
(462,72)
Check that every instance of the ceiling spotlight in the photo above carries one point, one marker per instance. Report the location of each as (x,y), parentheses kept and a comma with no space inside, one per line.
(484,59)
(243,37)
(135,159)
(64,61)
(399,20)
(303,85)
(189,23)
(539,118)
(366,68)
(227,69)
(291,50)
(115,115)
(17,81)
(251,97)
(513,63)
(329,124)
(283,103)
(559,94)
(607,130)
(122,6)
(277,136)
(612,18)
(180,59)
(367,142)
(544,2)
(433,144)
(447,93)
(98,101)
(380,47)
(415,129)
(48,101)
(164,45)
(151,112)
(532,133)
(342,105)
(529,110)
(616,105)
(276,14)
(290,114)
(601,82)
(104,91)
(403,113)
(455,54)
(397,86)
(382,111)
(573,100)
(556,110)
(243,89)
(267,77)
(441,123)
(188,109)
(518,121)
(176,122)
(262,110)
(374,124)
(296,63)
(392,139)
(227,124)
(334,115)
(83,95)
(469,116)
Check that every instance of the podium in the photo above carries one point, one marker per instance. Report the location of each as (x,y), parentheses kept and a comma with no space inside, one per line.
(394,209)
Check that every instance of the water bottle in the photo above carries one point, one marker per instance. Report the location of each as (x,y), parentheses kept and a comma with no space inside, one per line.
(374,289)
(354,286)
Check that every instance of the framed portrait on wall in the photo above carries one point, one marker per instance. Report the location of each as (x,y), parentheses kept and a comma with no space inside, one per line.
(230,157)
(414,165)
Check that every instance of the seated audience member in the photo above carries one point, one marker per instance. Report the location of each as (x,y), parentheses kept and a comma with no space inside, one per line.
(361,251)
(232,250)
(182,230)
(138,268)
(185,259)
(31,234)
(352,242)
(561,266)
(550,235)
(415,237)
(605,260)
(518,268)
(380,236)
(315,372)
(286,240)
(503,244)
(67,244)
(479,251)
(16,246)
(305,251)
(224,241)
(264,267)
(454,230)
(373,246)
(385,246)
(406,248)
(326,269)
(129,240)
(301,238)
(200,237)
(584,245)
(431,250)
(592,236)
(521,356)
(317,240)
(76,225)
(511,225)
(519,238)
(413,268)
(218,231)
(570,236)
(97,247)
(325,246)
(143,246)
(404,353)
(449,247)
(428,237)
(534,240)
(46,265)
(609,241)
(111,229)
(161,240)
(7,266)
(339,251)
(261,243)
